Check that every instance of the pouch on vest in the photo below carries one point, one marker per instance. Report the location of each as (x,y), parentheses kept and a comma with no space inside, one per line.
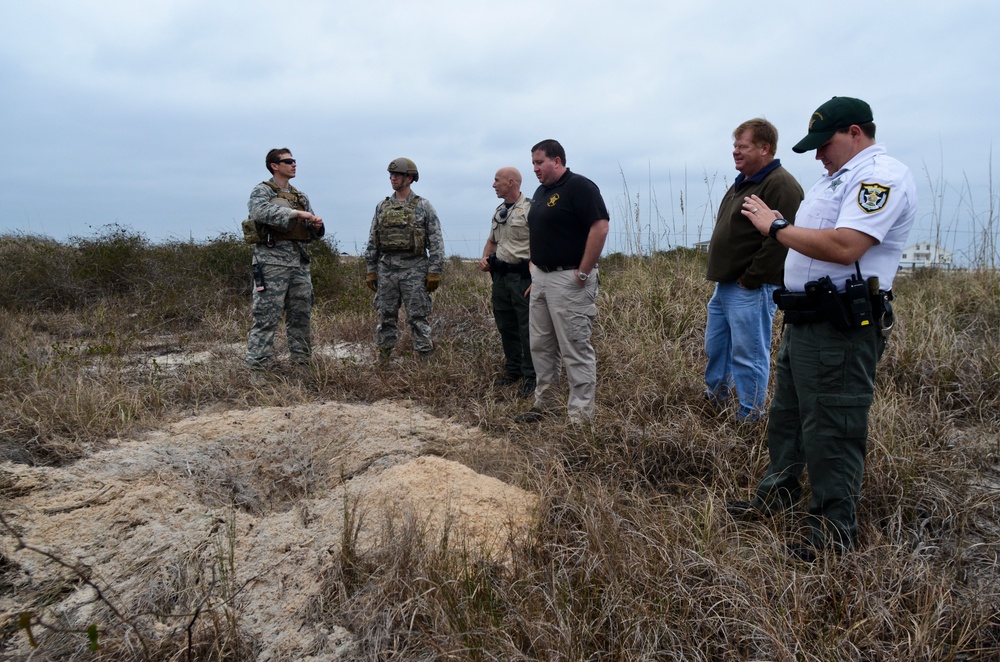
(399,232)
(252,232)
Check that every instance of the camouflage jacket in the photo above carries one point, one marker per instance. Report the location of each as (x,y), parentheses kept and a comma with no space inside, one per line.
(263,209)
(433,259)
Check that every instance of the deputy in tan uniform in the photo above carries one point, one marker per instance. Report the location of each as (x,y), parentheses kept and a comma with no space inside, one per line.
(505,256)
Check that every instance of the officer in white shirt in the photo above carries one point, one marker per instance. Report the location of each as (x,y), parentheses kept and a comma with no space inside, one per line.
(844,250)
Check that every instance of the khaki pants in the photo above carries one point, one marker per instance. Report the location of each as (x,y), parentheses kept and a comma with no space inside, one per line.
(561,320)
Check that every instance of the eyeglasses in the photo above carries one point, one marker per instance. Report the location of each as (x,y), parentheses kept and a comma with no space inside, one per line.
(287,161)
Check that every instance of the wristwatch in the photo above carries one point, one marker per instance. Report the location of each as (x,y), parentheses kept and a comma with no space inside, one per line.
(777,224)
(582,276)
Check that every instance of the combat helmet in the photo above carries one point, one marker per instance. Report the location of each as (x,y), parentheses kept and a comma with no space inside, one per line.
(404,166)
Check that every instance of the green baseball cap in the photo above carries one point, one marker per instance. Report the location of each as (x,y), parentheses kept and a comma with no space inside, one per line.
(837,113)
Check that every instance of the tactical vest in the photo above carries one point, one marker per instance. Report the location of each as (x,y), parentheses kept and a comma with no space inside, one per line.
(398,229)
(260,233)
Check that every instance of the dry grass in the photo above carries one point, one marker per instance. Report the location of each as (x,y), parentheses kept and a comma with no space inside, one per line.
(632,556)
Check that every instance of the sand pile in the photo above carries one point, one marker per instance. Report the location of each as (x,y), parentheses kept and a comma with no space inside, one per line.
(247,502)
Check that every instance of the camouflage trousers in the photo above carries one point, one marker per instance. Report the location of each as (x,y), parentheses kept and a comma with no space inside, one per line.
(288,290)
(405,287)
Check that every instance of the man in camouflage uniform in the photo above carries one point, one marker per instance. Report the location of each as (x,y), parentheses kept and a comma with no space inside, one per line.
(405,256)
(505,256)
(282,283)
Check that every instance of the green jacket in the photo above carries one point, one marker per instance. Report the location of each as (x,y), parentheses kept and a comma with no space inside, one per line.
(738,250)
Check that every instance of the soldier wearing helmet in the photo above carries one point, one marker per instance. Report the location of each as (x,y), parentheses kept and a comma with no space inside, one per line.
(404,256)
(404,166)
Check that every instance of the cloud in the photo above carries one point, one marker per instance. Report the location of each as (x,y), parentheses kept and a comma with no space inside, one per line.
(159,115)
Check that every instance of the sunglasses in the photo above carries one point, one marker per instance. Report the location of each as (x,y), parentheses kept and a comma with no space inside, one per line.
(287,161)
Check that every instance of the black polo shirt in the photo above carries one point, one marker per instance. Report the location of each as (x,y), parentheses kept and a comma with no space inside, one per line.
(560,218)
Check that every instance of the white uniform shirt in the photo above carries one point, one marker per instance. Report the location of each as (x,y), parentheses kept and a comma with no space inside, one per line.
(873,193)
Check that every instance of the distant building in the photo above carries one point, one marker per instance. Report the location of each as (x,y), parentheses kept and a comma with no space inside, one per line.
(923,255)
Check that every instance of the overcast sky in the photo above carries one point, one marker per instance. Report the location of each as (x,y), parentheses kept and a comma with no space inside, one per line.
(156,115)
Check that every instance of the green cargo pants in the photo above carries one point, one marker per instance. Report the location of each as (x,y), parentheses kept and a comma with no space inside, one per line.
(510,310)
(825,381)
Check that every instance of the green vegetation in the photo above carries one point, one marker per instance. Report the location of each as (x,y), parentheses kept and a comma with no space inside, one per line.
(633,556)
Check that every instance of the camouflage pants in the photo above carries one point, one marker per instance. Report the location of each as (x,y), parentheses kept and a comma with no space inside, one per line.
(288,290)
(406,287)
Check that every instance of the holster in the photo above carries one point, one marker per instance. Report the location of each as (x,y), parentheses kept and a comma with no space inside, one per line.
(798,307)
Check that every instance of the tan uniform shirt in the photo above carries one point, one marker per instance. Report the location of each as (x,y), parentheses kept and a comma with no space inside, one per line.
(511,233)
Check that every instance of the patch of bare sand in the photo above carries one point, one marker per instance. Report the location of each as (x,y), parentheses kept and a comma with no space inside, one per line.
(250,503)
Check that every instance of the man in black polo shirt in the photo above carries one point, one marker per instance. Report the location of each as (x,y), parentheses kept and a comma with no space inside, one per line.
(569,225)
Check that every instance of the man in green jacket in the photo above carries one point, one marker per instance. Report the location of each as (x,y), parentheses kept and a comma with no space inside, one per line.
(746,268)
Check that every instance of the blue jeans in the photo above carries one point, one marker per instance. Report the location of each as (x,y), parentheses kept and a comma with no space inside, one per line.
(738,345)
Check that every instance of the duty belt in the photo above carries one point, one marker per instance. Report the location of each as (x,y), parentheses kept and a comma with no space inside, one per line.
(834,307)
(501,267)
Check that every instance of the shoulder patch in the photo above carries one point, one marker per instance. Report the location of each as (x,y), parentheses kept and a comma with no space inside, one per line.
(873,197)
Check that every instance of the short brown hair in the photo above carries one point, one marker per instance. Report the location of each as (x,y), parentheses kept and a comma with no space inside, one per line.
(274,156)
(551,148)
(761,131)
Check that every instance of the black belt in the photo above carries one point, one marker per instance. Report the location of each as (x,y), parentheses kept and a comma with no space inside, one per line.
(565,267)
(501,267)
